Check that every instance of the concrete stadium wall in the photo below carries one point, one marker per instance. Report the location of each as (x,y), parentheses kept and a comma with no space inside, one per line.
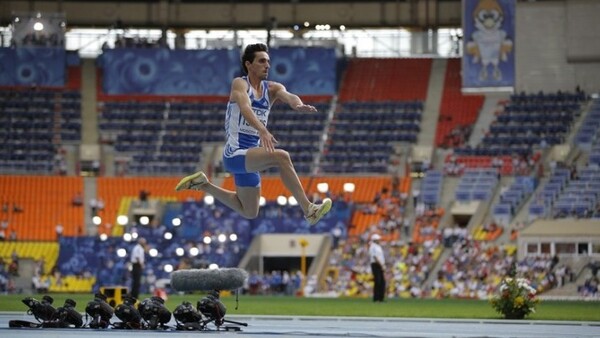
(289,244)
(557,46)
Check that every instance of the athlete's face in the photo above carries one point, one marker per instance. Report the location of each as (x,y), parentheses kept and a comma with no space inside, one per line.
(260,66)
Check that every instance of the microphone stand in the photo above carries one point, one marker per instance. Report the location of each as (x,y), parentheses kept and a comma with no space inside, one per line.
(234,322)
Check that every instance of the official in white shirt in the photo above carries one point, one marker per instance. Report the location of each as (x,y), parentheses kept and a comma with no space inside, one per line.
(137,260)
(377,268)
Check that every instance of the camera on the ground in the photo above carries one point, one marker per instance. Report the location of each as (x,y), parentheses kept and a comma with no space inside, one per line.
(100,311)
(186,313)
(68,315)
(211,307)
(154,312)
(128,313)
(42,310)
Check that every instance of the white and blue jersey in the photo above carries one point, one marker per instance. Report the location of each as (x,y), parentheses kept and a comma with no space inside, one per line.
(241,136)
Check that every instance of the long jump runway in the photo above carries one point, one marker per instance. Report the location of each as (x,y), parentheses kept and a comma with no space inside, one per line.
(285,326)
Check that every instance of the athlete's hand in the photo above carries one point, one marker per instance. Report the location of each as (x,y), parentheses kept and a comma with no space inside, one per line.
(267,140)
(305,108)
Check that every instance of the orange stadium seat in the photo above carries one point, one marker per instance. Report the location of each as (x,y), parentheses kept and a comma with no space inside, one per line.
(456,109)
(372,79)
(46,201)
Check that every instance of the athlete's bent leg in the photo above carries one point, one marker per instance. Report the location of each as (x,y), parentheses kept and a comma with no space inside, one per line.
(244,201)
(258,159)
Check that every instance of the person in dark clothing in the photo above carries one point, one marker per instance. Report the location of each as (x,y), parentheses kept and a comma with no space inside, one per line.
(137,266)
(377,268)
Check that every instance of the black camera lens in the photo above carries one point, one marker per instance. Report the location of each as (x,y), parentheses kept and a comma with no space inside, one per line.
(101,296)
(47,299)
(70,303)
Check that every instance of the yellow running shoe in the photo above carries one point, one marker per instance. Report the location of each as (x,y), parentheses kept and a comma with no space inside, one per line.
(192,182)
(317,211)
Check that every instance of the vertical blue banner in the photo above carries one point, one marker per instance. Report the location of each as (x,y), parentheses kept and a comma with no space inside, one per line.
(489,33)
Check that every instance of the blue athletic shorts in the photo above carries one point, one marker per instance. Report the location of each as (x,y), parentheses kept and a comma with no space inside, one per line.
(237,166)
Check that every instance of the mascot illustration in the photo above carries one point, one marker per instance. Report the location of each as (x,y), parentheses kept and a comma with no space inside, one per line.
(489,45)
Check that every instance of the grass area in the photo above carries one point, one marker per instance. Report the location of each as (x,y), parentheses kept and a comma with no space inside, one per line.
(404,308)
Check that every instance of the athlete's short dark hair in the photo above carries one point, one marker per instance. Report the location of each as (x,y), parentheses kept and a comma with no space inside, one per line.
(250,53)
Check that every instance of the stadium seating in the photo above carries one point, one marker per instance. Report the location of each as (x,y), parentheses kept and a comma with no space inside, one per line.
(580,195)
(588,136)
(36,122)
(299,133)
(362,134)
(160,138)
(458,112)
(45,201)
(116,192)
(541,205)
(476,185)
(529,121)
(373,79)
(431,188)
(512,199)
(34,250)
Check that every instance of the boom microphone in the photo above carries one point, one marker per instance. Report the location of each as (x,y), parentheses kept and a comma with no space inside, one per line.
(208,279)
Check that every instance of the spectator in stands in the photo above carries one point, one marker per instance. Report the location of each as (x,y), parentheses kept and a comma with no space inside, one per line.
(143,196)
(336,234)
(5,281)
(13,235)
(13,267)
(100,204)
(94,206)
(594,266)
(40,284)
(250,146)
(38,268)
(406,226)
(77,200)
(17,208)
(59,230)
(416,192)
(377,260)
(254,283)
(589,287)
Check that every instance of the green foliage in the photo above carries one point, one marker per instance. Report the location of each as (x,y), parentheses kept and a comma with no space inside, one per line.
(516,298)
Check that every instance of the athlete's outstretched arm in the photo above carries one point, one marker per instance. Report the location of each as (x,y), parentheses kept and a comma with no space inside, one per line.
(290,99)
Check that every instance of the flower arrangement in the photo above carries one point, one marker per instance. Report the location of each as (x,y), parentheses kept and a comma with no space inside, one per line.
(516,298)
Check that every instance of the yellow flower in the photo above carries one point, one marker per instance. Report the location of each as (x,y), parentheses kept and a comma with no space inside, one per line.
(519,301)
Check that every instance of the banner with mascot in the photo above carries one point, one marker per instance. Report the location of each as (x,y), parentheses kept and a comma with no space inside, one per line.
(489,35)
